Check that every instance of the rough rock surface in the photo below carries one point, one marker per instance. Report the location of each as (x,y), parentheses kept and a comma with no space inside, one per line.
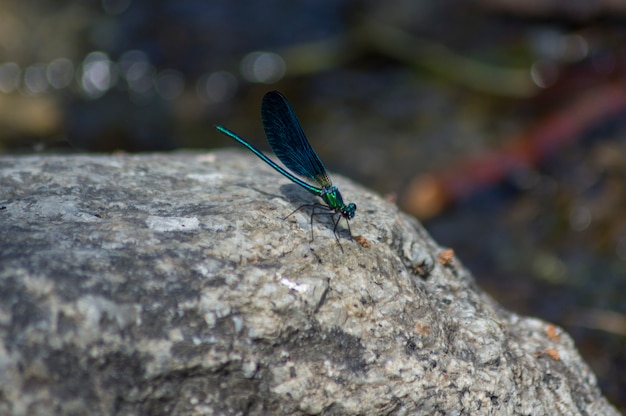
(171,284)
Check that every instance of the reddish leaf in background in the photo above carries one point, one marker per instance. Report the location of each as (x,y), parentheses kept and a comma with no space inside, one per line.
(430,193)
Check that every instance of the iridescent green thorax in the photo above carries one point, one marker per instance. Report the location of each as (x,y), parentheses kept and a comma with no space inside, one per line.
(332,197)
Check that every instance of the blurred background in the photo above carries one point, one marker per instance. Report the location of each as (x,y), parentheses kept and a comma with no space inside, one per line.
(500,124)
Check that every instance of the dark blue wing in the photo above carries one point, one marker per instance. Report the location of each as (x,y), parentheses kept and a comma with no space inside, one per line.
(288,141)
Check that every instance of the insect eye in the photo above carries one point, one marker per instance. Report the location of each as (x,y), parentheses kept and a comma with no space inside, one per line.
(350,209)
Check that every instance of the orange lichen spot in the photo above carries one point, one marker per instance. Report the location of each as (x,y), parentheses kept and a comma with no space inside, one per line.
(363,242)
(552,333)
(553,353)
(446,256)
(421,329)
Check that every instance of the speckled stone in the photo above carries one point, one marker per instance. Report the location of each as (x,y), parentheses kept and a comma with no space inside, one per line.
(172,284)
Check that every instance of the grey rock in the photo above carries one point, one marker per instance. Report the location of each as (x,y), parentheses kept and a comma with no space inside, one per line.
(171,284)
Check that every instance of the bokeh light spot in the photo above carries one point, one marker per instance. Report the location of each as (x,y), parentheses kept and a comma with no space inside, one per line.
(98,74)
(216,87)
(60,73)
(544,73)
(35,79)
(10,73)
(140,77)
(263,67)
